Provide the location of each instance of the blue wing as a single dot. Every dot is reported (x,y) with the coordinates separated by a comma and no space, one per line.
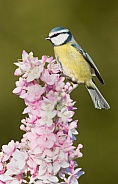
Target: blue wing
(89,60)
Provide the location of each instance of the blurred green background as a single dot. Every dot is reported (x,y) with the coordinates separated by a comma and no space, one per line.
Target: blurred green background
(23,25)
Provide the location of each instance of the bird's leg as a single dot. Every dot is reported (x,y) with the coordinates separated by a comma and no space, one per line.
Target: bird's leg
(74,85)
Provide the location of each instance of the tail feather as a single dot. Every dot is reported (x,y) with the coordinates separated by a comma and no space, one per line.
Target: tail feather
(97,98)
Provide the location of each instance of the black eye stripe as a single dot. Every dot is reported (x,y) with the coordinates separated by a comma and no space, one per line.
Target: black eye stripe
(56,34)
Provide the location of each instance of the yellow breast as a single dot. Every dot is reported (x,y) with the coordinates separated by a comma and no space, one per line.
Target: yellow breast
(73,63)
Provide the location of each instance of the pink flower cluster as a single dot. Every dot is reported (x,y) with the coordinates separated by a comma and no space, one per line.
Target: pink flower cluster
(46,154)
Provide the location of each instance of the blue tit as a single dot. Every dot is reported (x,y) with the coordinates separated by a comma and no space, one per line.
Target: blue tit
(76,64)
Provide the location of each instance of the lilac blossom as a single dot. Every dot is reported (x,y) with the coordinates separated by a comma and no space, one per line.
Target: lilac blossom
(45,154)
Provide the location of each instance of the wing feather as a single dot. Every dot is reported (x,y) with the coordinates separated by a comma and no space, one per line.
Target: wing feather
(90,61)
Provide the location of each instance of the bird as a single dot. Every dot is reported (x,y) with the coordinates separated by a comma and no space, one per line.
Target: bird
(76,65)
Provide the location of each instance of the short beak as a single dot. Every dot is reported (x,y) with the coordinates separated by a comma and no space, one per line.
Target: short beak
(47,38)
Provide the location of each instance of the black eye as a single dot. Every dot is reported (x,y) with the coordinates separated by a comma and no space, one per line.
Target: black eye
(56,34)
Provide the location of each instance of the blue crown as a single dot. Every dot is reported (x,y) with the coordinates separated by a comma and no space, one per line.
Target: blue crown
(57,29)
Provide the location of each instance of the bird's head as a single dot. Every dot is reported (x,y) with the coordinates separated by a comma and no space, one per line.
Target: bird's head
(59,36)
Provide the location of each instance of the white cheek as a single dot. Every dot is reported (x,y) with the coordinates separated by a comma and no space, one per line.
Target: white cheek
(60,39)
